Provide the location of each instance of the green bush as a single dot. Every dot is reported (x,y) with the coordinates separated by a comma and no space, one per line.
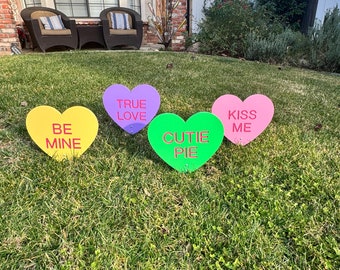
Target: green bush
(228,24)
(290,13)
(324,49)
(235,28)
(225,27)
(273,48)
(286,47)
(319,50)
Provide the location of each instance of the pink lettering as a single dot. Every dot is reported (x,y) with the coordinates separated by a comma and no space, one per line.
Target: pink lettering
(242,127)
(62,143)
(131,103)
(242,114)
(127,115)
(188,136)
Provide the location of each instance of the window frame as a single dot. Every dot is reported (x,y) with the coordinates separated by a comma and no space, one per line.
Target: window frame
(32,3)
(132,4)
(87,6)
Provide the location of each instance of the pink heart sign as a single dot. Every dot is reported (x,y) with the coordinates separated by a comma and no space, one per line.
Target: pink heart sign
(131,110)
(244,120)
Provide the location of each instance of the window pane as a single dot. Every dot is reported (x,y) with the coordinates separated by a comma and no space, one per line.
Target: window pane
(135,5)
(95,10)
(83,8)
(72,8)
(65,9)
(110,3)
(32,3)
(80,11)
(113,3)
(96,6)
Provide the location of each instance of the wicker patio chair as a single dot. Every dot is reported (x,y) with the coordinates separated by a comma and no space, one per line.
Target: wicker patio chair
(115,36)
(46,38)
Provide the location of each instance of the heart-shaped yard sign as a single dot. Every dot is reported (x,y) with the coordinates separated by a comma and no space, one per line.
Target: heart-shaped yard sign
(185,146)
(62,136)
(243,121)
(131,110)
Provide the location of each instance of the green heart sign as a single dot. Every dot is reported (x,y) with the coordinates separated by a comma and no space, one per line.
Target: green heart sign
(186,146)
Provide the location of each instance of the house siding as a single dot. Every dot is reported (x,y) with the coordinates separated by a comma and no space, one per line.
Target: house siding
(323,7)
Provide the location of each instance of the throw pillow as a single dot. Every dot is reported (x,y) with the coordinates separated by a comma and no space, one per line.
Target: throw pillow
(52,23)
(120,20)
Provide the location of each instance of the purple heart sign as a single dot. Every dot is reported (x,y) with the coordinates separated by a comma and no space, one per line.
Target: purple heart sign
(131,110)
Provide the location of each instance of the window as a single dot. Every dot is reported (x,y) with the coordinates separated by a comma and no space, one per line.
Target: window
(84,8)
(91,8)
(135,5)
(32,3)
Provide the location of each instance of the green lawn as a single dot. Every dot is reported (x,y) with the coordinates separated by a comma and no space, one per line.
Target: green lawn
(272,204)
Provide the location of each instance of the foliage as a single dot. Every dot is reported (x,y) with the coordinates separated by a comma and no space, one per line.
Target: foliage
(285,47)
(273,204)
(272,49)
(324,50)
(258,35)
(228,25)
(225,27)
(190,39)
(290,12)
(162,23)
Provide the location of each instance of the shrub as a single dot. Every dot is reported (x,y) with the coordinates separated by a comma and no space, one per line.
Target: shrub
(271,49)
(289,12)
(288,46)
(324,49)
(225,27)
(236,28)
(319,50)
(228,24)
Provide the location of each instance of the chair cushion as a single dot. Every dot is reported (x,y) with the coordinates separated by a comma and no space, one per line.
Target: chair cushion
(42,13)
(120,20)
(52,23)
(123,32)
(62,32)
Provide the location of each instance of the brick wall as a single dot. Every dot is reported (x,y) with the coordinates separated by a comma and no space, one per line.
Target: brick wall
(178,41)
(8,32)
(148,36)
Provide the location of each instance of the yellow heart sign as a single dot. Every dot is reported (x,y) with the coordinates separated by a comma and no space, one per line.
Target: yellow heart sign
(62,136)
